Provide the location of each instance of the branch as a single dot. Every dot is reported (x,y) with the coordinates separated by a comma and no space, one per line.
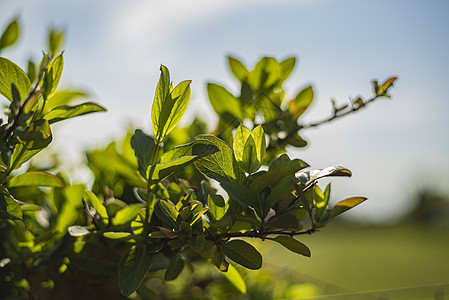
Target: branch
(342,112)
(263,233)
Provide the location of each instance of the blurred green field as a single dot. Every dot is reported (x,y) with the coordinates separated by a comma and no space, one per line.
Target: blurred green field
(398,262)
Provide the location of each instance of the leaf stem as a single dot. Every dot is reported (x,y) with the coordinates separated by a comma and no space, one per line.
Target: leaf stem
(150,204)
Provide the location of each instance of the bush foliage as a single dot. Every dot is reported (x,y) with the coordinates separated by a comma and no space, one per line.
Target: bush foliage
(163,199)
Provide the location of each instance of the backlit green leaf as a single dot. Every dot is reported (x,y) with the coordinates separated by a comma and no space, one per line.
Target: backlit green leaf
(302,101)
(95,202)
(224,103)
(132,269)
(243,253)
(234,277)
(66,112)
(36,178)
(10,35)
(345,205)
(181,156)
(266,74)
(169,106)
(287,67)
(127,214)
(52,76)
(292,244)
(237,68)
(116,235)
(221,165)
(70,207)
(11,73)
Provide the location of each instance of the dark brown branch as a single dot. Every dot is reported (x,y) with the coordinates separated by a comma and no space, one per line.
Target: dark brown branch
(264,233)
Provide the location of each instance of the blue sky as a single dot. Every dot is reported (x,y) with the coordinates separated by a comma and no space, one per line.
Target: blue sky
(114,49)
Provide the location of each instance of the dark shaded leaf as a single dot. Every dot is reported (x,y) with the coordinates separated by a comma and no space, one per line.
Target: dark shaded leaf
(243,253)
(292,245)
(174,268)
(9,208)
(132,269)
(143,146)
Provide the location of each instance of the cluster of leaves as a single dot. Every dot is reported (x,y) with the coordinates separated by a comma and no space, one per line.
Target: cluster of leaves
(160,201)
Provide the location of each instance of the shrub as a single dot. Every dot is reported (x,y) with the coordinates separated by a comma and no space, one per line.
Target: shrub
(162,199)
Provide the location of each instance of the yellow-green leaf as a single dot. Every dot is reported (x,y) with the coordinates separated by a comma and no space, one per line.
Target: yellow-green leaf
(36,178)
(12,73)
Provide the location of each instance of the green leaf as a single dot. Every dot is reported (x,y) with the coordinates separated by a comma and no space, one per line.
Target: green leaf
(167,212)
(234,277)
(168,106)
(224,103)
(302,101)
(273,176)
(237,68)
(309,177)
(64,97)
(179,157)
(10,35)
(36,178)
(287,67)
(70,207)
(321,200)
(217,206)
(143,146)
(243,253)
(383,89)
(116,235)
(31,70)
(345,205)
(77,230)
(132,269)
(9,208)
(249,148)
(10,73)
(221,165)
(174,268)
(95,202)
(55,39)
(266,74)
(36,137)
(243,195)
(66,112)
(127,214)
(52,76)
(292,245)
